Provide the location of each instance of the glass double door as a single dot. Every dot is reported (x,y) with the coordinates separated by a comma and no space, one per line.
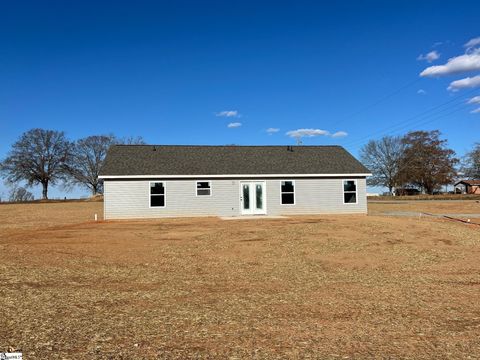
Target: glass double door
(252,198)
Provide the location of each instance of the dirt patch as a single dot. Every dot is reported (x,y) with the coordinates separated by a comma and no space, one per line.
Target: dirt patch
(302,287)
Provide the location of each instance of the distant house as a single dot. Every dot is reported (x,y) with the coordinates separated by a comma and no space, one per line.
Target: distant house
(146,181)
(467,187)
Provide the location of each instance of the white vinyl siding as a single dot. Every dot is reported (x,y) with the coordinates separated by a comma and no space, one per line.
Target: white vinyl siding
(317,196)
(129,199)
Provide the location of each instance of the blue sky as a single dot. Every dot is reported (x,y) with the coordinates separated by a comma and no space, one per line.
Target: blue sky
(180,72)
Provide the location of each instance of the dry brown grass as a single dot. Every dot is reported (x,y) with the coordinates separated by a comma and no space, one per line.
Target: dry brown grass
(302,287)
(434,207)
(43,214)
(440,197)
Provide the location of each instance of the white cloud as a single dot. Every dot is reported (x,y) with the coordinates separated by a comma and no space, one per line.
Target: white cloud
(476,111)
(234,125)
(469,82)
(339,134)
(474,100)
(421,92)
(438,43)
(271,131)
(228,113)
(458,64)
(472,43)
(299,133)
(431,56)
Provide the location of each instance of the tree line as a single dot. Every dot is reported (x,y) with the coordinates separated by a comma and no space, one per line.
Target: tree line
(419,160)
(48,157)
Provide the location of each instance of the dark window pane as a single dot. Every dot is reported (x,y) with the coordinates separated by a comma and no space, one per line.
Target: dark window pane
(349,185)
(203,185)
(157,188)
(287,199)
(203,191)
(259,196)
(157,200)
(246,197)
(350,197)
(287,186)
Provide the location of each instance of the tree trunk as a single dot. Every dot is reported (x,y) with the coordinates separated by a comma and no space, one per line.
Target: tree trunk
(45,190)
(390,189)
(94,190)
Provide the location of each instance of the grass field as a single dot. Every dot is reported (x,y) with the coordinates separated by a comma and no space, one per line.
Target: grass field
(433,207)
(302,287)
(439,197)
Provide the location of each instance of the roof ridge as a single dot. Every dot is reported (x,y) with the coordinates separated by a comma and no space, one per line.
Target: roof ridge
(168,145)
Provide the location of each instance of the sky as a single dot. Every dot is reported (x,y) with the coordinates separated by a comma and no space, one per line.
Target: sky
(240,72)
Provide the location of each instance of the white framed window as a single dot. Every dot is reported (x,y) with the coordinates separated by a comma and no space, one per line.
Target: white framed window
(204,188)
(350,192)
(157,194)
(287,192)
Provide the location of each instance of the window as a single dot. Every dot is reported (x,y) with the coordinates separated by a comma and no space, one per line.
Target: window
(349,191)
(157,194)
(259,196)
(204,188)
(287,190)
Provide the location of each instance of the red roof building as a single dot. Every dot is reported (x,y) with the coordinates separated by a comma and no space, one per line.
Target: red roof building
(467,187)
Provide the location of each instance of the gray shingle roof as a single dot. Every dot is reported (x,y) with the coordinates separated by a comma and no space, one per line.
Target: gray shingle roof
(228,160)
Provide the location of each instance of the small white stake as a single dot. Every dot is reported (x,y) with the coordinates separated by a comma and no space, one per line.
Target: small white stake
(96,218)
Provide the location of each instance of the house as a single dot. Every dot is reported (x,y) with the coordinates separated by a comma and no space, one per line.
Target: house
(151,181)
(467,187)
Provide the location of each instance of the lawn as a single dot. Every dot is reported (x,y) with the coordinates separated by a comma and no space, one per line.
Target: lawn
(432,206)
(300,287)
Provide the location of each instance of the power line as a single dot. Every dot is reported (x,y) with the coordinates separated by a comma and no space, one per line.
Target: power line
(456,108)
(379,101)
(435,118)
(424,114)
(401,126)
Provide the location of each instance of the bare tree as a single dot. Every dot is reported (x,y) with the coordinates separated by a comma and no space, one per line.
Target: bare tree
(86,161)
(130,140)
(37,157)
(382,157)
(19,194)
(88,157)
(471,163)
(427,162)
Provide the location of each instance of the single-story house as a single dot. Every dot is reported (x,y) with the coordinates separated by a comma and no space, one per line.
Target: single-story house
(467,187)
(151,181)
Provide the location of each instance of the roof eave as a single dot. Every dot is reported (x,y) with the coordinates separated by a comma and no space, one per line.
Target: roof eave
(232,176)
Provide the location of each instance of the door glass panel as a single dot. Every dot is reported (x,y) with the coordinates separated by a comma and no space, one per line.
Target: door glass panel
(259,196)
(246,196)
